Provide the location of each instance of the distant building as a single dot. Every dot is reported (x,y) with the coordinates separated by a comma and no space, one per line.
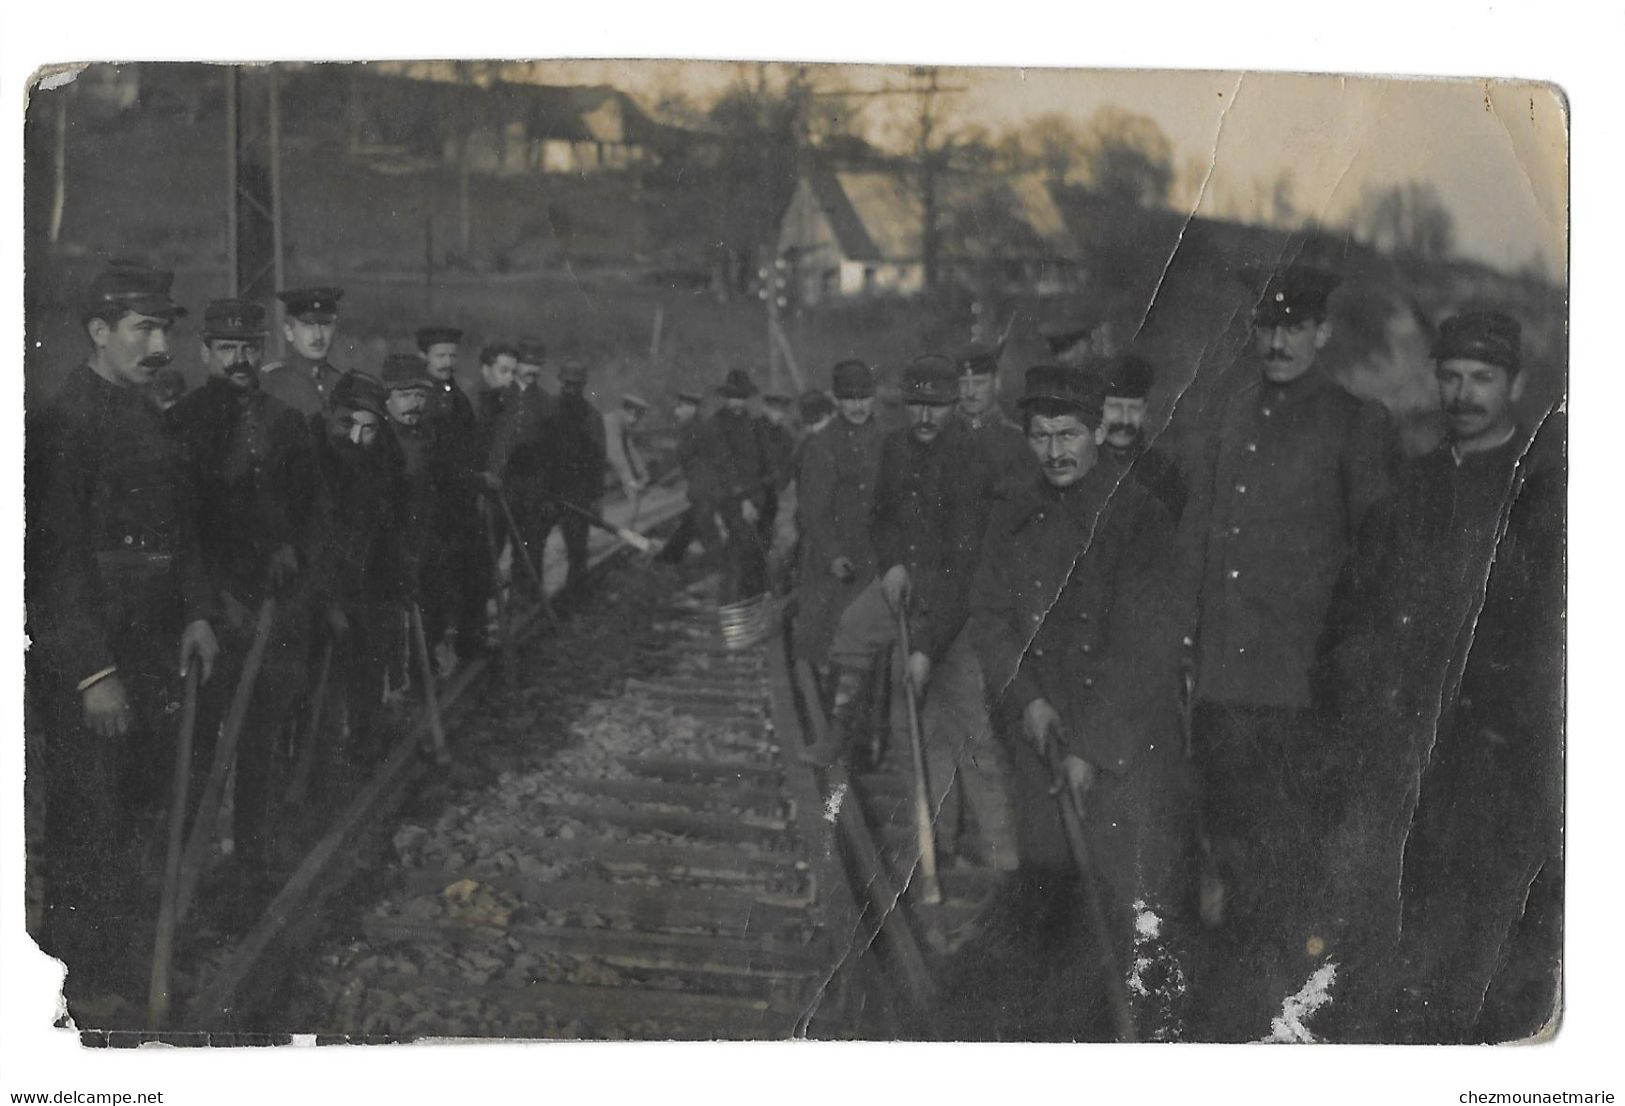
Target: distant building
(857,232)
(509,128)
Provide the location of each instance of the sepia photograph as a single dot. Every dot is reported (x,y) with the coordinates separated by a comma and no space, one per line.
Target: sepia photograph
(766,550)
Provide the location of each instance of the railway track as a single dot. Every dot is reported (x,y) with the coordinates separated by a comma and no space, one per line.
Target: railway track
(667,868)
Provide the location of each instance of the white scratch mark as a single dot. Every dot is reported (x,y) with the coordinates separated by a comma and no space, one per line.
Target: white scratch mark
(60,77)
(832,805)
(1315,993)
(1146,922)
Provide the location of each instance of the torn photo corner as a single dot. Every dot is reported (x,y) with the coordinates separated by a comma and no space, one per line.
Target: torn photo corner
(1101,552)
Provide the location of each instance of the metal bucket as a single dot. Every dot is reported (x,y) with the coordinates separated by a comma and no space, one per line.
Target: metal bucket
(746,623)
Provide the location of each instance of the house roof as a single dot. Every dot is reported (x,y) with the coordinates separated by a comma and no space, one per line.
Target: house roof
(876,214)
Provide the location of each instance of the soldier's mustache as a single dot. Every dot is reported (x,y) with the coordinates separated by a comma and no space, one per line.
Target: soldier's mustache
(155,360)
(1121,428)
(1277,355)
(1464,409)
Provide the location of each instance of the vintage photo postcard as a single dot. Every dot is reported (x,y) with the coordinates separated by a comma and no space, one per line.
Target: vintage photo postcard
(747,550)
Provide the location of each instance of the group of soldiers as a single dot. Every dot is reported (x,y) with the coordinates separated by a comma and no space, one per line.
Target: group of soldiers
(294,517)
(1278,718)
(1300,696)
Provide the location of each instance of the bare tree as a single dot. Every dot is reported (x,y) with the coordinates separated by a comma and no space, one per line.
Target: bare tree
(1408,220)
(1128,157)
(1055,143)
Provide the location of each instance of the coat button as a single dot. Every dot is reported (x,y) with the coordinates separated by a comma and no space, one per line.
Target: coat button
(1241,489)
(1085,648)
(1266,412)
(1084,617)
(1234,573)
(1037,652)
(1088,681)
(1252,447)
(1235,531)
(129,539)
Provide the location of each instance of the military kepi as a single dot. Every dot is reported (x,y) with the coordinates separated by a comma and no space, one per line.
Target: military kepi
(312,305)
(242,320)
(978,360)
(1064,388)
(932,380)
(737,385)
(431,336)
(135,287)
(405,371)
(852,380)
(1291,295)
(1493,337)
(1127,376)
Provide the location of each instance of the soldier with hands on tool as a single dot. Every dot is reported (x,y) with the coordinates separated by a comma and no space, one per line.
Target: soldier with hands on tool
(359,569)
(253,464)
(1291,466)
(837,471)
(931,501)
(305,381)
(625,458)
(699,480)
(737,456)
(575,455)
(118,607)
(1070,620)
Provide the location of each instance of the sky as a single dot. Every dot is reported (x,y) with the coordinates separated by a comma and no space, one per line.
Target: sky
(1495,150)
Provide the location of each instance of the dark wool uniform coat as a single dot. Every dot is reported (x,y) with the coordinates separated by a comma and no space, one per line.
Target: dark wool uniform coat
(739,456)
(300,383)
(1002,442)
(254,466)
(1072,604)
(1284,484)
(930,510)
(1155,469)
(835,488)
(115,570)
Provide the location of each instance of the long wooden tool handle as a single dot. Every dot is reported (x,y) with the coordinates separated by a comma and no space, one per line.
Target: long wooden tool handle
(504,609)
(1116,979)
(164,942)
(209,803)
(431,699)
(930,886)
(522,551)
(313,728)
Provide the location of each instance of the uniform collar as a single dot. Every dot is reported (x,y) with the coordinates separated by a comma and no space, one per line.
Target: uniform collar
(1489,456)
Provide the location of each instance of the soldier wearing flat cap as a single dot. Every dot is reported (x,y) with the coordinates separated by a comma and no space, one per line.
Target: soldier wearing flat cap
(253,463)
(835,489)
(1126,381)
(360,568)
(118,605)
(930,504)
(982,418)
(1080,654)
(1291,467)
(1409,607)
(699,479)
(305,380)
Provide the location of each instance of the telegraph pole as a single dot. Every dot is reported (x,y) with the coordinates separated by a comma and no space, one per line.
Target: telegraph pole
(254,246)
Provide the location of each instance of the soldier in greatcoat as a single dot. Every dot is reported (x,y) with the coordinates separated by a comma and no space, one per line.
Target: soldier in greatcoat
(836,475)
(1126,381)
(253,464)
(1411,614)
(360,566)
(305,380)
(456,581)
(1291,466)
(931,500)
(118,606)
(1071,620)
(737,457)
(699,480)
(983,418)
(574,457)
